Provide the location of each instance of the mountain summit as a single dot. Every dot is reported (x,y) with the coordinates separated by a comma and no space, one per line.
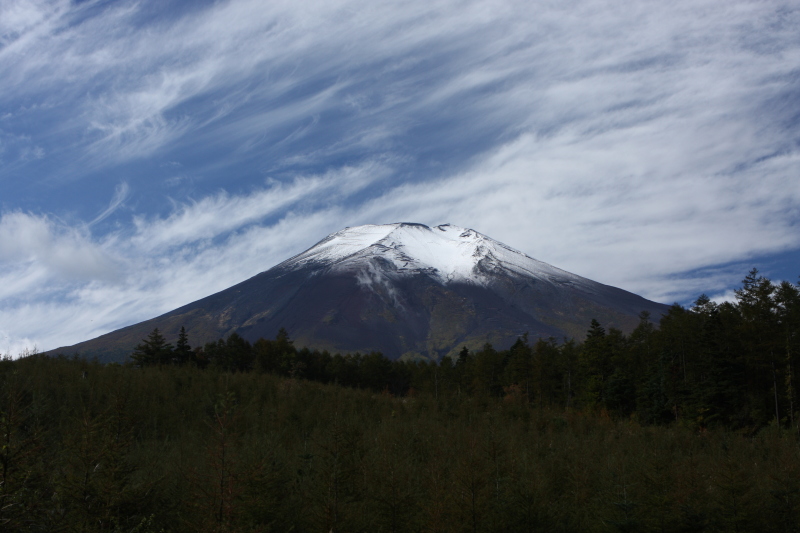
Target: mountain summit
(404,289)
(445,253)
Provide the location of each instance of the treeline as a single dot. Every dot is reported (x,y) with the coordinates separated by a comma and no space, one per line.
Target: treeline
(733,364)
(112,448)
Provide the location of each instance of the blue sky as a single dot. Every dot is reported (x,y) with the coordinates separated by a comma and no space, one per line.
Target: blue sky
(155,152)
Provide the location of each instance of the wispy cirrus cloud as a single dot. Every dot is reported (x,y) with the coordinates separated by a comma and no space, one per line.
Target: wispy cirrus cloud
(121,192)
(221,213)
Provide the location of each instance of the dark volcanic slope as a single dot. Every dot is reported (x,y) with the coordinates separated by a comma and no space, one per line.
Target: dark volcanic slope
(381,296)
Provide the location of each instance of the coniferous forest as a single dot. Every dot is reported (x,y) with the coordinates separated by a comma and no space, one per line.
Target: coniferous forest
(687,424)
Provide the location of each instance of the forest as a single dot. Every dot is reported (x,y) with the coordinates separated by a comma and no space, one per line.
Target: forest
(684,425)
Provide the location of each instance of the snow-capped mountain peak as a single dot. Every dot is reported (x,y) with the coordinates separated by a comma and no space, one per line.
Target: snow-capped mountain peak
(446,252)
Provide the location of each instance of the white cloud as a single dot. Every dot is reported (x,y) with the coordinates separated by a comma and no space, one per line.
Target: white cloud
(31,242)
(18,17)
(121,193)
(221,213)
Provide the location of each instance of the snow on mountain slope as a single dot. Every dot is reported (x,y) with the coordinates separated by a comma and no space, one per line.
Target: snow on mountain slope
(446,252)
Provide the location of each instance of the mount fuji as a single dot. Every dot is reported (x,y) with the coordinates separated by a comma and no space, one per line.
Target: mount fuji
(406,290)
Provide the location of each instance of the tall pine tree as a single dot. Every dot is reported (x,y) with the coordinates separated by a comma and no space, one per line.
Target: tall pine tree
(154,350)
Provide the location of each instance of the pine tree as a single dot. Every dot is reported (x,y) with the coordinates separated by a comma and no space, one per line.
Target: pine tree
(787,299)
(519,368)
(594,361)
(286,351)
(239,353)
(183,352)
(460,374)
(760,338)
(488,371)
(154,350)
